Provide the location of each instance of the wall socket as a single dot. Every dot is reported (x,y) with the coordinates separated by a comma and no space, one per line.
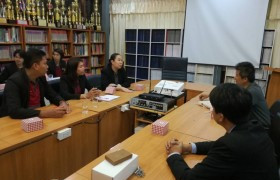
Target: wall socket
(63,134)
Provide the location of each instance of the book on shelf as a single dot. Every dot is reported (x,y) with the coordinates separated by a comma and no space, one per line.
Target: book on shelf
(130,59)
(143,61)
(157,49)
(96,71)
(143,48)
(38,36)
(144,35)
(130,48)
(59,35)
(64,47)
(97,37)
(9,35)
(8,51)
(158,35)
(97,49)
(81,50)
(173,50)
(130,35)
(41,47)
(80,37)
(94,61)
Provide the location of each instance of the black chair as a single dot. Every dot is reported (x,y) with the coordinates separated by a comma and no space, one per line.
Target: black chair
(274,109)
(95,80)
(275,134)
(174,69)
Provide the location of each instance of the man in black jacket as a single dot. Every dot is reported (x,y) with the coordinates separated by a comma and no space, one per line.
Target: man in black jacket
(25,90)
(245,152)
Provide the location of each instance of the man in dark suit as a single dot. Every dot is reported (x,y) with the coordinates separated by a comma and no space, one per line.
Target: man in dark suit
(245,152)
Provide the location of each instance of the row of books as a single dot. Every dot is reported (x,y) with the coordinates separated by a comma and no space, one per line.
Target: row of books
(59,35)
(97,49)
(96,71)
(130,47)
(143,61)
(173,36)
(173,50)
(64,47)
(130,71)
(94,61)
(142,73)
(85,61)
(80,37)
(158,35)
(143,48)
(205,69)
(156,62)
(157,49)
(130,35)
(144,35)
(6,52)
(130,59)
(97,37)
(41,47)
(38,36)
(81,50)
(10,35)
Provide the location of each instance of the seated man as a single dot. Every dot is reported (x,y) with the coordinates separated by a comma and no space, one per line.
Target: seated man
(245,152)
(245,77)
(25,90)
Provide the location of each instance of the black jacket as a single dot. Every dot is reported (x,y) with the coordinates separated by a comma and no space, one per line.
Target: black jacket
(107,77)
(16,96)
(52,66)
(247,153)
(9,70)
(67,88)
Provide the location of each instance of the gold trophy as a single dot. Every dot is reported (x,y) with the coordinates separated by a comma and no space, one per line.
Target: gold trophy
(57,14)
(79,26)
(74,14)
(69,14)
(10,12)
(17,10)
(33,13)
(41,18)
(95,17)
(63,17)
(50,17)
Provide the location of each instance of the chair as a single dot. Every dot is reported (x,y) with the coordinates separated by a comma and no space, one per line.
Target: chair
(274,109)
(94,80)
(174,69)
(275,134)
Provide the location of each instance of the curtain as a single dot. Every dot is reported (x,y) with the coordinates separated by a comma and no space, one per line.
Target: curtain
(141,14)
(273,22)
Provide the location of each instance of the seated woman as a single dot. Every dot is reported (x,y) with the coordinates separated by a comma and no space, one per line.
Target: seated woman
(57,65)
(114,74)
(13,67)
(74,82)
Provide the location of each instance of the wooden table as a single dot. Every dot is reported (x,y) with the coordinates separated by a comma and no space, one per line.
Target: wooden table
(189,123)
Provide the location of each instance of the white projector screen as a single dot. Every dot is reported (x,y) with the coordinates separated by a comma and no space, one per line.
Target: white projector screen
(224,32)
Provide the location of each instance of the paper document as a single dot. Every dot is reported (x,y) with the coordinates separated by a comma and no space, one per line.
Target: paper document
(206,104)
(107,98)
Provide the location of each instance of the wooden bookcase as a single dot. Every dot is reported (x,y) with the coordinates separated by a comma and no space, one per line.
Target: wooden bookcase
(86,44)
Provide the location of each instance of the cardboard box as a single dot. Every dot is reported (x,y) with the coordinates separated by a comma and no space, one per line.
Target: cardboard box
(160,127)
(107,171)
(32,124)
(118,157)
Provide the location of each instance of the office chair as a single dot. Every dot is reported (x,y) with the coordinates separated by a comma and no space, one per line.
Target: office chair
(174,69)
(274,109)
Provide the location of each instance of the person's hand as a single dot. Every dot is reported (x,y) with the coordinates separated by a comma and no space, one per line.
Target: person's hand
(57,112)
(95,92)
(203,96)
(112,85)
(126,90)
(65,105)
(174,146)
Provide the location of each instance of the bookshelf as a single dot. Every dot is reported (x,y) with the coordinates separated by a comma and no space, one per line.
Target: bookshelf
(145,49)
(97,57)
(86,44)
(261,74)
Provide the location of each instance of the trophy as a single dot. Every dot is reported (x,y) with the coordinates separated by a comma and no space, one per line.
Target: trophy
(63,17)
(41,18)
(57,14)
(10,12)
(79,25)
(33,13)
(50,17)
(69,14)
(95,17)
(3,18)
(21,18)
(74,14)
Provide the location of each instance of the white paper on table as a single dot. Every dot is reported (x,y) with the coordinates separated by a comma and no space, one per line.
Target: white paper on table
(107,98)
(206,104)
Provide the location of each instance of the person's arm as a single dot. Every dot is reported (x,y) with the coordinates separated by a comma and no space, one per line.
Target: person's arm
(218,163)
(105,79)
(125,80)
(13,101)
(65,88)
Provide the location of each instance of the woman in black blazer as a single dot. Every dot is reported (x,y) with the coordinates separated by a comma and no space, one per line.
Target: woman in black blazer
(74,82)
(114,74)
(57,66)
